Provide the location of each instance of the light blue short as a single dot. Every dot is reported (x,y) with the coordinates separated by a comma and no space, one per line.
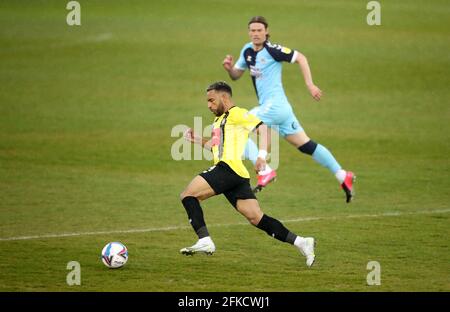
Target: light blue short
(278,117)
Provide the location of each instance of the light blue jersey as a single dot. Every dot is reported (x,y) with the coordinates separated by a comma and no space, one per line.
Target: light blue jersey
(265,70)
(274,109)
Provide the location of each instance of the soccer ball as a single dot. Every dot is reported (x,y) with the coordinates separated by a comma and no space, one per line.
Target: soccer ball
(114,255)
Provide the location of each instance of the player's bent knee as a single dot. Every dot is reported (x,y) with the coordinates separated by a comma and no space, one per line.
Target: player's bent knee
(185,194)
(192,193)
(250,209)
(254,220)
(253,217)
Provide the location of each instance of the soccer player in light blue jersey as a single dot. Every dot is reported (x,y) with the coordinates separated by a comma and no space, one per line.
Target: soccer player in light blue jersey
(263,59)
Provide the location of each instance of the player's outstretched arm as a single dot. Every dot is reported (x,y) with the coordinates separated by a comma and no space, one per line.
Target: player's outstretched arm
(233,72)
(196,139)
(314,90)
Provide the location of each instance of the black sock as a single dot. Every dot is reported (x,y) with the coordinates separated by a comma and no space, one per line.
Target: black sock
(308,148)
(195,215)
(276,229)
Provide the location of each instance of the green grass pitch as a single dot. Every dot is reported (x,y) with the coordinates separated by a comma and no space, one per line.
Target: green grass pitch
(86,114)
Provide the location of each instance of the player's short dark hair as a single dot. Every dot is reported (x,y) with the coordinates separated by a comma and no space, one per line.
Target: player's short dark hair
(220,86)
(258,19)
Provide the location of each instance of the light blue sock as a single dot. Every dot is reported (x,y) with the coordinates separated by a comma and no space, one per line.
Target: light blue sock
(251,151)
(324,157)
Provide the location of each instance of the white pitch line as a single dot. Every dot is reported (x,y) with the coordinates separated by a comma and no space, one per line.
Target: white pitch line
(174,228)
(384,214)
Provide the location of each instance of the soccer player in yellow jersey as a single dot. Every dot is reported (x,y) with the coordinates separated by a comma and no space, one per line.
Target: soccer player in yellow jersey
(229,176)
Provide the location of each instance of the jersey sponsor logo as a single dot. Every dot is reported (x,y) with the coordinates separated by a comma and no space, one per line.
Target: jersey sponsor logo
(249,58)
(255,72)
(286,50)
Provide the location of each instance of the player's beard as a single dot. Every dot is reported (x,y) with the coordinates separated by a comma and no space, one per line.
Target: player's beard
(220,109)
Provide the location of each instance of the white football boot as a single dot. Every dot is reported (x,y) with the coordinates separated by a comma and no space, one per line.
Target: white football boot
(307,249)
(204,245)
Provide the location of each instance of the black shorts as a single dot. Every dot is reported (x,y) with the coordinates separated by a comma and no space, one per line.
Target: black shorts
(223,180)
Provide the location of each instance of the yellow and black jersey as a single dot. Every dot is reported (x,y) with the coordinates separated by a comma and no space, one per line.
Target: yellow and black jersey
(229,137)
